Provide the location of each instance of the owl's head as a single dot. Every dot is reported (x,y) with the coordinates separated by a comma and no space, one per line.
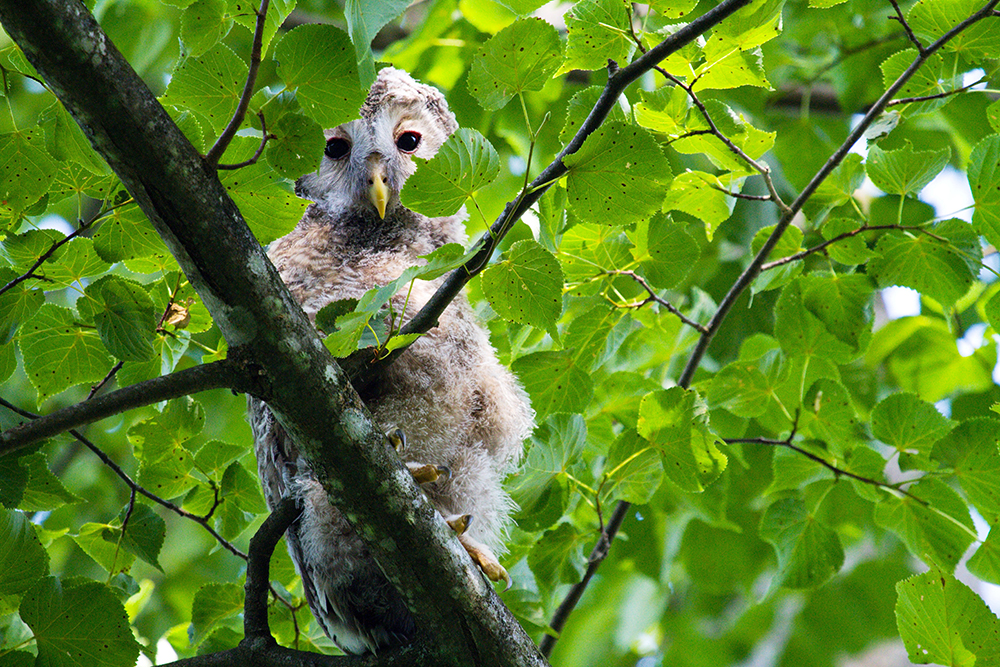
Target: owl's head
(367,161)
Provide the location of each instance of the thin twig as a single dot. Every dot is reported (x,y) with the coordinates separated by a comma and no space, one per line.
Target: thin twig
(107,378)
(30,273)
(740,195)
(260,149)
(926,98)
(215,153)
(906,26)
(846,235)
(654,297)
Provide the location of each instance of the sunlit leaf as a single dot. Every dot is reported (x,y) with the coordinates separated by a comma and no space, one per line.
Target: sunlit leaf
(465,163)
(521,57)
(809,553)
(525,287)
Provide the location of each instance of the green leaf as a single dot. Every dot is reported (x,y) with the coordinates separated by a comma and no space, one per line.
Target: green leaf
(933,522)
(270,210)
(670,419)
(984,180)
(909,424)
(801,332)
(317,61)
(143,534)
(928,265)
(364,19)
(296,145)
(809,553)
(580,106)
(65,141)
(731,69)
(750,26)
(673,9)
(558,556)
(203,24)
(985,563)
(554,382)
(215,456)
(44,491)
(123,313)
(243,489)
(792,471)
(741,389)
(521,57)
(597,32)
(942,621)
(693,193)
(634,469)
(58,353)
(931,19)
(465,163)
(665,250)
(931,79)
(589,335)
(244,12)
(905,171)
(155,438)
(842,303)
(101,541)
(838,188)
(541,491)
(618,176)
(26,169)
(74,261)
(736,128)
(126,233)
(80,625)
(210,84)
(850,250)
(789,244)
(526,287)
(212,604)
(23,560)
(16,305)
(970,450)
(828,414)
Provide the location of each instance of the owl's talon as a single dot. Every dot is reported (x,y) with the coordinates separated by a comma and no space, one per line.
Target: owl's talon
(486,560)
(459,522)
(398,439)
(425,473)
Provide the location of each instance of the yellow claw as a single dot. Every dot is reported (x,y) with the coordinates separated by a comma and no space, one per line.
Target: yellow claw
(378,192)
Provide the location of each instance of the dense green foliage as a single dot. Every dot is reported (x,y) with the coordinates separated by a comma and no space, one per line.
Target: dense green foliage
(808,491)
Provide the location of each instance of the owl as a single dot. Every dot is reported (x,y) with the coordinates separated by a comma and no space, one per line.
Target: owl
(462,414)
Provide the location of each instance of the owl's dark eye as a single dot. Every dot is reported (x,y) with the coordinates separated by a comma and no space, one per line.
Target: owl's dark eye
(337,147)
(408,141)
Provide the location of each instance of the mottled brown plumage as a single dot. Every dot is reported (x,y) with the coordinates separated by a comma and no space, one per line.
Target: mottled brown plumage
(457,406)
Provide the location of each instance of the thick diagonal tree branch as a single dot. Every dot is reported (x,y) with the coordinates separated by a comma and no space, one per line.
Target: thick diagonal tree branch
(309,394)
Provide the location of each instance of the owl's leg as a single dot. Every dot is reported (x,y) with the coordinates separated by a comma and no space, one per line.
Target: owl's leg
(423,473)
(480,553)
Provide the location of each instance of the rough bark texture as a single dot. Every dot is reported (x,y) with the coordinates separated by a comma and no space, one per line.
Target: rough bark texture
(304,386)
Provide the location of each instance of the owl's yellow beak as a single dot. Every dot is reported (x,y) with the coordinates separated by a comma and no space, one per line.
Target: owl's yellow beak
(378,192)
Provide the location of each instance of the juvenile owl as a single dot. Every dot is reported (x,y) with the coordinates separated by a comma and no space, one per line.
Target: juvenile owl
(463,415)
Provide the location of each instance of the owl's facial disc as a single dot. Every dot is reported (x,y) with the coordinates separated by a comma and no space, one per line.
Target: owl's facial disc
(378,184)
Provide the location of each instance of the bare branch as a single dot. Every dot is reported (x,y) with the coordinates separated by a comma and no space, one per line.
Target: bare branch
(906,26)
(30,273)
(260,149)
(222,143)
(262,545)
(655,298)
(938,96)
(215,375)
